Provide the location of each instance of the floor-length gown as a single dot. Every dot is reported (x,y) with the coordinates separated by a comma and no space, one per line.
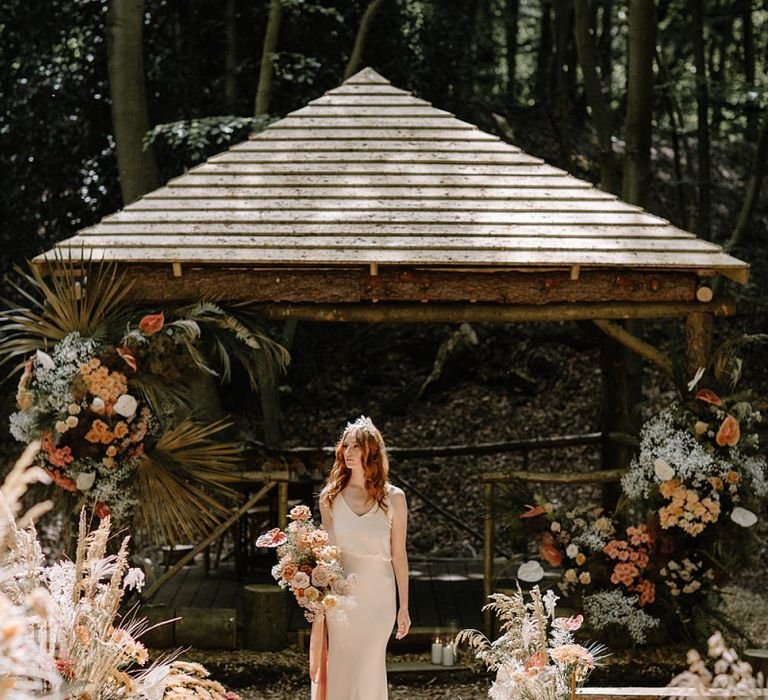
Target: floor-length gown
(357,649)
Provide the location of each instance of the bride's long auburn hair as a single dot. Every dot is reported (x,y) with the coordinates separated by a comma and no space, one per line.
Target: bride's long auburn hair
(375,467)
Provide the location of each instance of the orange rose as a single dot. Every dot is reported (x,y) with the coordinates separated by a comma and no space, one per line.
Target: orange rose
(149,325)
(729,432)
(709,396)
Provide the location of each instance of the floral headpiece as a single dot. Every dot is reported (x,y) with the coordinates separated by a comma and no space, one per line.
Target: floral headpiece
(362,423)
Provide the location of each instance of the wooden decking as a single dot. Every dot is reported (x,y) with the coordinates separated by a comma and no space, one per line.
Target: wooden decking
(444,593)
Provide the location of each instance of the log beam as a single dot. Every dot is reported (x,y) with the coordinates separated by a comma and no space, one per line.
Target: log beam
(635,344)
(486,313)
(154,283)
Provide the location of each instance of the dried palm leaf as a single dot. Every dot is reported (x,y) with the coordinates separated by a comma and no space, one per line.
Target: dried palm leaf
(78,295)
(183,479)
(234,332)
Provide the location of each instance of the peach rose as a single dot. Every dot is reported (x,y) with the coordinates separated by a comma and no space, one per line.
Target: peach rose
(289,570)
(300,580)
(320,576)
(330,602)
(300,513)
(311,593)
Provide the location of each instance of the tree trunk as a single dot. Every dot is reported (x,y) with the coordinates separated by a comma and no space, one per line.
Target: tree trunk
(511,22)
(615,416)
(679,140)
(724,34)
(637,165)
(753,188)
(271,34)
(749,68)
(230,56)
(605,43)
(353,65)
(595,97)
(704,218)
(544,58)
(135,164)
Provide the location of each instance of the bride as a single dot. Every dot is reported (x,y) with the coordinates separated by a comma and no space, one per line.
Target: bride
(366,517)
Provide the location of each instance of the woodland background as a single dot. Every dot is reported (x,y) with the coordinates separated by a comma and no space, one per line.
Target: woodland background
(660,101)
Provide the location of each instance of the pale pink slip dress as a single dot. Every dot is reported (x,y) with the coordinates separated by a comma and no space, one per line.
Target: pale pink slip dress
(357,649)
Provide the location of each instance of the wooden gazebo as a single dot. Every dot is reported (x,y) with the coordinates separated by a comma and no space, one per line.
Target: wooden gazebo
(370,204)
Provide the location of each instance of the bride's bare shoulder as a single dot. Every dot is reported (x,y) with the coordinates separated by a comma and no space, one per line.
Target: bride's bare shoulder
(396,494)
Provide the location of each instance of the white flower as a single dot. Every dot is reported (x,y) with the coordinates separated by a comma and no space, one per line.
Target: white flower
(85,480)
(97,405)
(134,579)
(742,516)
(555,527)
(300,580)
(126,405)
(45,360)
(662,470)
(530,572)
(572,551)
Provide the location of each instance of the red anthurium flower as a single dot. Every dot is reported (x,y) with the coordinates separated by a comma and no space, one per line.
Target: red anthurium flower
(274,538)
(127,355)
(568,623)
(729,432)
(149,325)
(551,554)
(533,511)
(536,663)
(102,510)
(709,396)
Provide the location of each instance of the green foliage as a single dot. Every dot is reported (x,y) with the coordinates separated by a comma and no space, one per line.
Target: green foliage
(183,144)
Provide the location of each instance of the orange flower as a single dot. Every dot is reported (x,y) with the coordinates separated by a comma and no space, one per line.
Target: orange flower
(551,554)
(101,510)
(536,663)
(149,325)
(709,397)
(533,511)
(128,357)
(729,432)
(121,430)
(63,481)
(647,592)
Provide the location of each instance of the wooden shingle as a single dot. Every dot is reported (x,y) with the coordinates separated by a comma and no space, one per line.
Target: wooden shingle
(368,173)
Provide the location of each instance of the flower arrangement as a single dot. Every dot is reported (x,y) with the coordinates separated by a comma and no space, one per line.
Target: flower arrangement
(730,676)
(694,488)
(106,390)
(58,631)
(536,657)
(309,567)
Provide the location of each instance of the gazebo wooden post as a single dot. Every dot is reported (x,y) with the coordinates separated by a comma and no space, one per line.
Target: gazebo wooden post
(615,414)
(699,331)
(488,544)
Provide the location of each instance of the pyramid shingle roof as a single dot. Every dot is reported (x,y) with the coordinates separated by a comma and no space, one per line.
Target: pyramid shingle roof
(368,173)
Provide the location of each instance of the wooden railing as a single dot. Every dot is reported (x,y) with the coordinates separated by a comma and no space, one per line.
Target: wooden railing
(492,479)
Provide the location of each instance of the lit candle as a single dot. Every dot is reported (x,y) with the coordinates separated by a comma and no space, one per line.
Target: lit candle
(437,651)
(449,655)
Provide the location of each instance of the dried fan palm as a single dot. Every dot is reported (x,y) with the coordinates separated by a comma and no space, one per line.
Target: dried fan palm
(78,295)
(182,478)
